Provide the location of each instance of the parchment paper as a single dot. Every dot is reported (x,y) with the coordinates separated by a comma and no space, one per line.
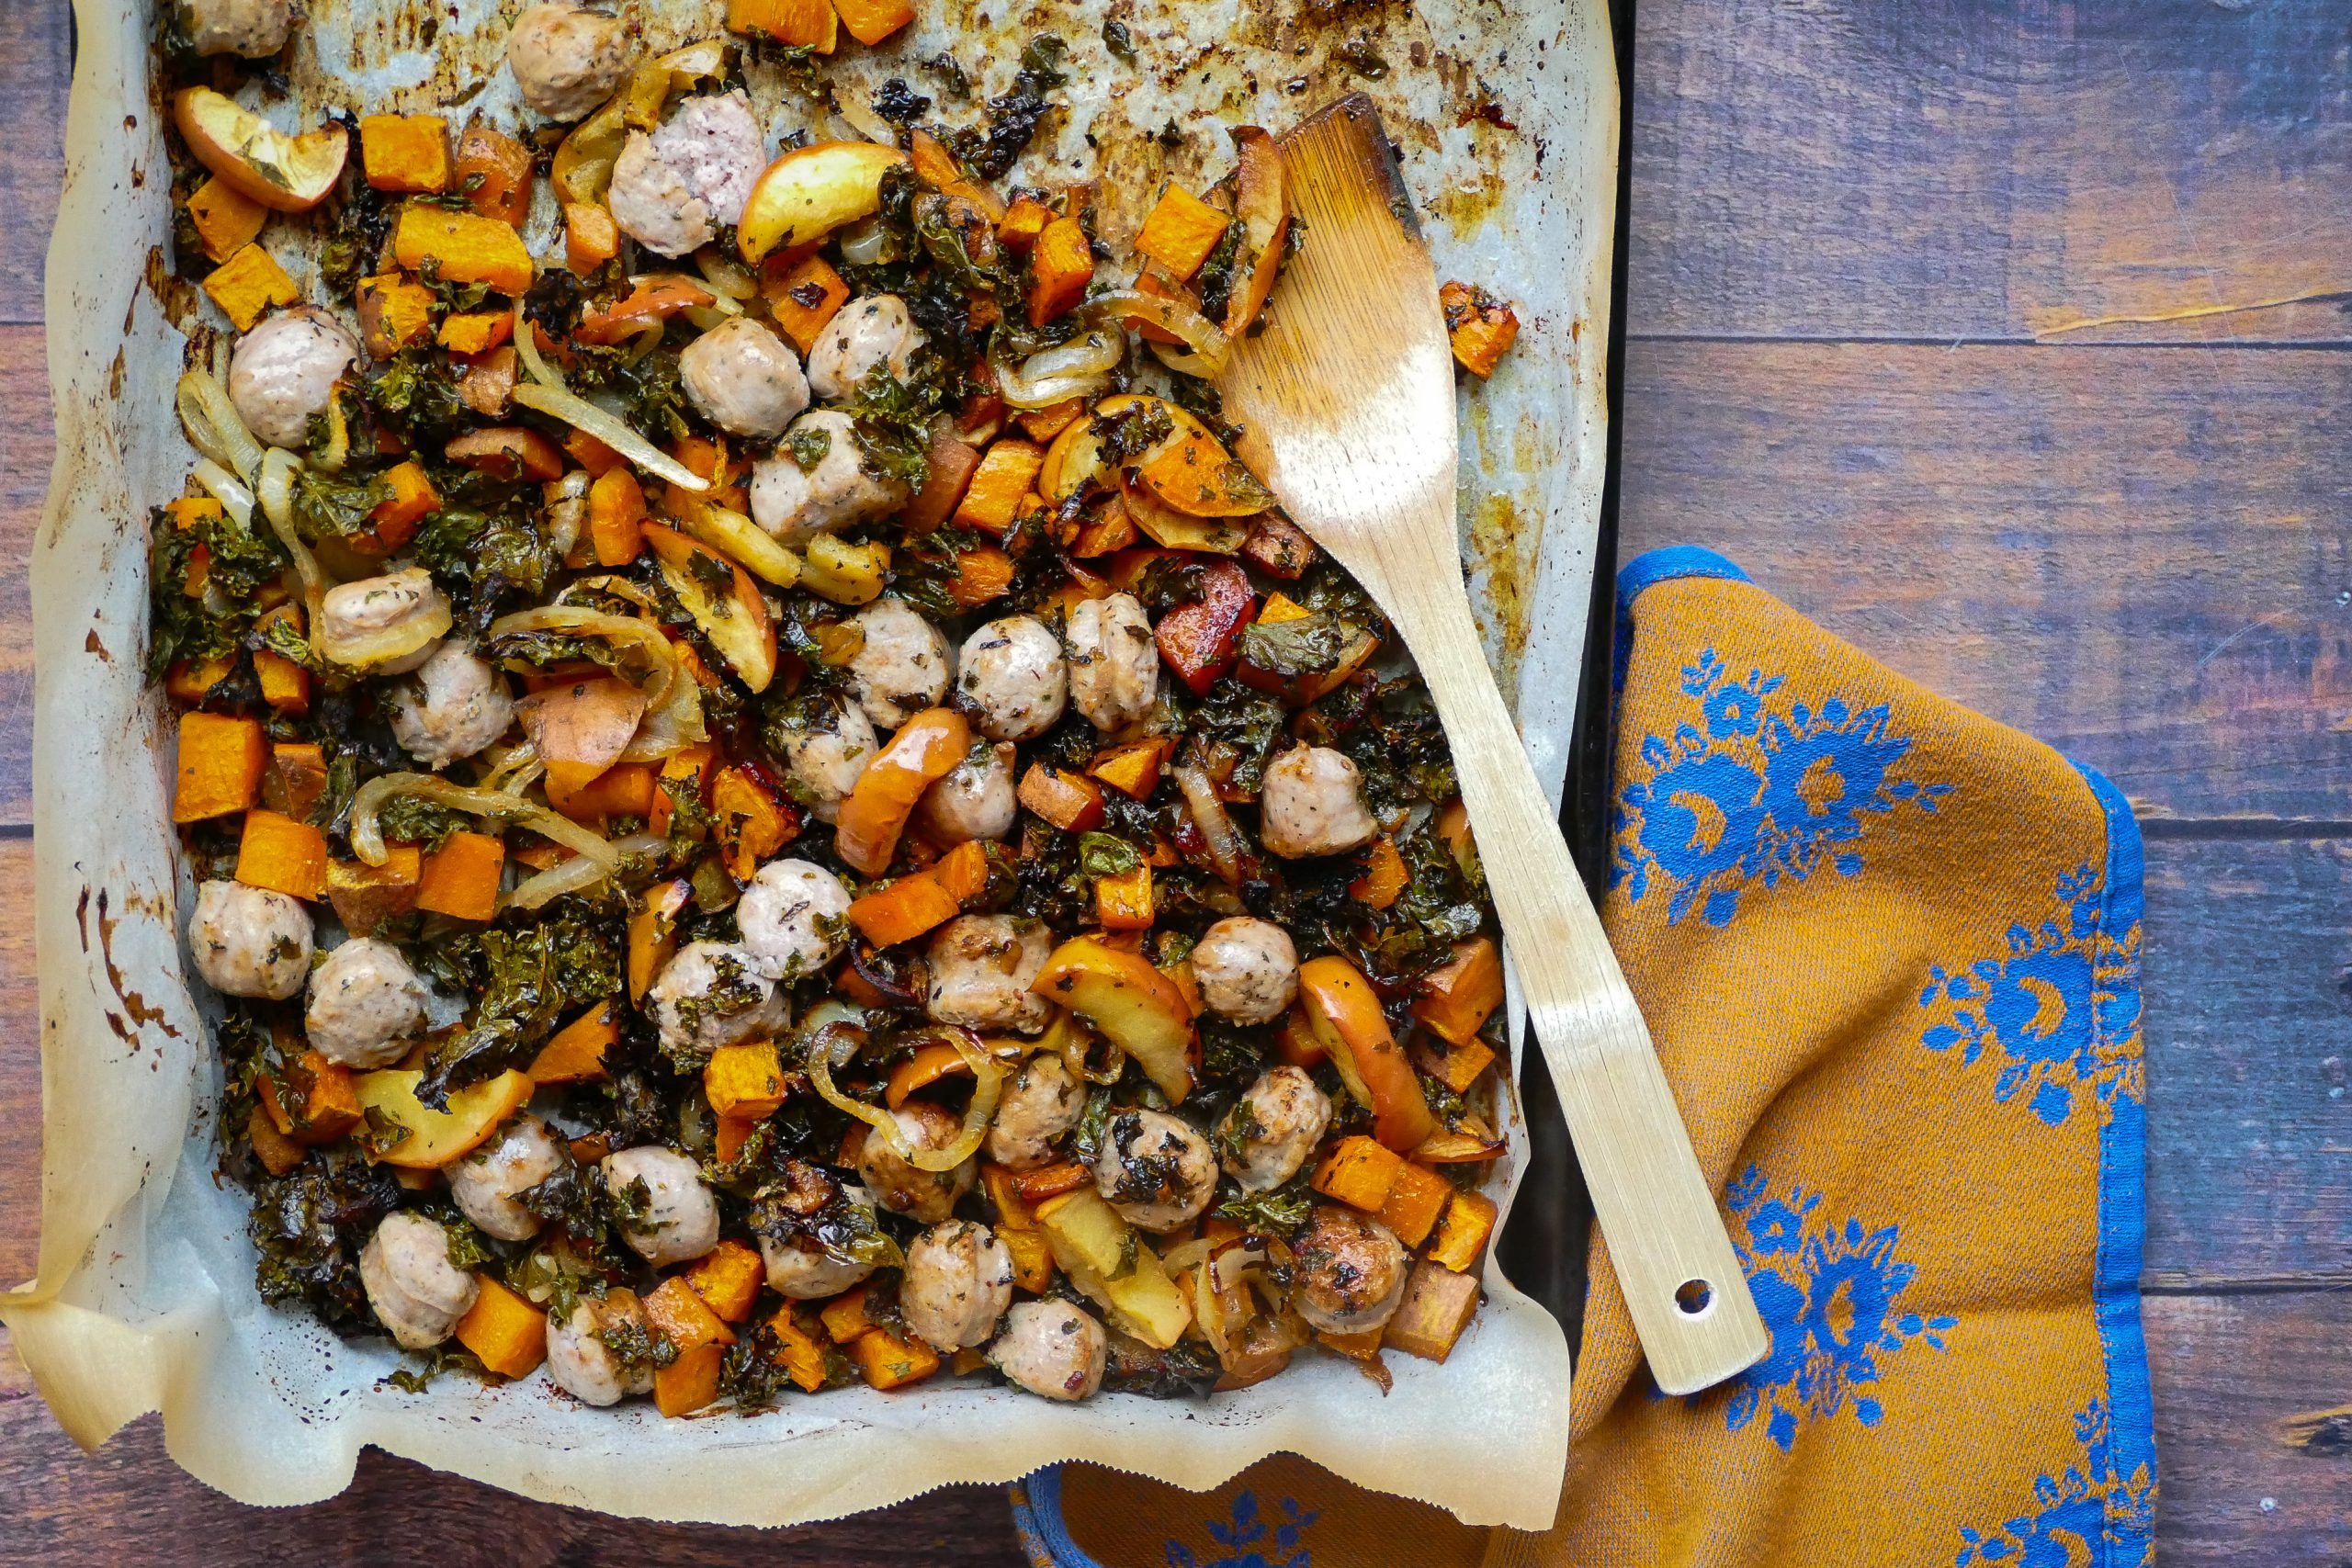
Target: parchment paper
(144,1300)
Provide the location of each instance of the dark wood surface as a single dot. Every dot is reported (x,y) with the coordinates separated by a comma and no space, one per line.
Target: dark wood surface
(1862,239)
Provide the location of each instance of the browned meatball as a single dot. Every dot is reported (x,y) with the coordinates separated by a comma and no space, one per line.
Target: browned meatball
(1351,1272)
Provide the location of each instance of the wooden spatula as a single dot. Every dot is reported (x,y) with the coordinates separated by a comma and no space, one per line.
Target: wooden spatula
(1347,402)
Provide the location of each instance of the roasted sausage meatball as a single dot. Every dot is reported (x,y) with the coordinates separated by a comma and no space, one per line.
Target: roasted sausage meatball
(1010,679)
(958,1282)
(1310,805)
(416,1292)
(695,171)
(1350,1271)
(1113,663)
(793,918)
(680,1216)
(981,969)
(455,706)
(255,29)
(365,1001)
(284,370)
(583,1365)
(1042,1101)
(864,333)
(902,667)
(816,481)
(567,61)
(1155,1171)
(826,756)
(373,605)
(249,941)
(1247,968)
(975,799)
(926,1195)
(1052,1349)
(712,994)
(808,1203)
(743,378)
(1271,1129)
(485,1182)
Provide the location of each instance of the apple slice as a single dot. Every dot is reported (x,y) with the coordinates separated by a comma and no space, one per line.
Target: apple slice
(811,191)
(288,174)
(1344,1013)
(435,1138)
(1136,1008)
(720,597)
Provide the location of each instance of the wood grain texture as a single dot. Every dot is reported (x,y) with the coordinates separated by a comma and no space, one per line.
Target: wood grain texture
(26,445)
(36,68)
(2135,554)
(1946,169)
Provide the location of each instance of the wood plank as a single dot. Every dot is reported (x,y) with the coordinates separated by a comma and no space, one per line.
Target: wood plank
(2227,1370)
(36,70)
(1950,169)
(2248,1114)
(2135,554)
(26,445)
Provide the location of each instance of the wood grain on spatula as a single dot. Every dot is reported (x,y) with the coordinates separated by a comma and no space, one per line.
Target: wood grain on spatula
(1347,400)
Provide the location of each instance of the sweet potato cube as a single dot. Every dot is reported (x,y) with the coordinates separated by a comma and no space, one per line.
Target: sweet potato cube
(685,774)
(508,452)
(1051,1180)
(690,1383)
(591,238)
(903,910)
(653,932)
(1133,769)
(1032,1258)
(1279,547)
(1043,425)
(964,872)
(1383,876)
(1061,264)
(460,878)
(1007,471)
(1071,802)
(226,219)
(191,679)
(1437,1307)
(887,1361)
(845,1317)
(576,1053)
(728,1278)
(394,520)
(393,313)
(475,332)
(507,1332)
(1182,232)
(316,1103)
(982,573)
(749,822)
(1358,1172)
(365,896)
(871,21)
(949,464)
(1108,527)
(733,1133)
(464,247)
(1123,902)
(1361,1345)
(803,297)
(284,685)
(797,24)
(1457,1067)
(405,151)
(220,765)
(248,284)
(496,173)
(278,1153)
(625,789)
(1480,326)
(745,1080)
(295,780)
(1013,1211)
(1023,220)
(802,1354)
(1417,1197)
(1462,1235)
(1458,995)
(678,1313)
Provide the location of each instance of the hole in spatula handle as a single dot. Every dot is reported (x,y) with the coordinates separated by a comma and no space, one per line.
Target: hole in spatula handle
(1695,1297)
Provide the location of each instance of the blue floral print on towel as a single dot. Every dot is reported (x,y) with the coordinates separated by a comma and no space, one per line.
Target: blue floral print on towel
(1746,795)
(2088,1515)
(2059,1010)
(1247,1533)
(1828,1293)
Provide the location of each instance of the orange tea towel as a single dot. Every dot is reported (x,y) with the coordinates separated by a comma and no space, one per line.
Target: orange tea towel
(1890,954)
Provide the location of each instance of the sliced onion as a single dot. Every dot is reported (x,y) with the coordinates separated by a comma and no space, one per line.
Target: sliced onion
(575,620)
(1078,368)
(213,424)
(576,874)
(670,728)
(411,633)
(276,487)
(618,587)
(234,496)
(1201,336)
(988,1080)
(527,347)
(1218,831)
(568,513)
(582,414)
(367,835)
(866,242)
(859,115)
(728,278)
(1187,1254)
(331,461)
(513,769)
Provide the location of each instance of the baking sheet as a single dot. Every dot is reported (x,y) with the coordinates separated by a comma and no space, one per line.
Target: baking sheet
(144,1298)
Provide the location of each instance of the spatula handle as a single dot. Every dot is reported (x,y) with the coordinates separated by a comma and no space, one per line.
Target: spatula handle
(1688,1299)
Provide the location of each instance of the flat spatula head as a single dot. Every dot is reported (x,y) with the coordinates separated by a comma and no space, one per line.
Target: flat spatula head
(1347,395)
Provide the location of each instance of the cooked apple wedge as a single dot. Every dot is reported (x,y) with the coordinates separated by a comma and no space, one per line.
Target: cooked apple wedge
(721,598)
(1136,1008)
(811,191)
(289,174)
(436,1138)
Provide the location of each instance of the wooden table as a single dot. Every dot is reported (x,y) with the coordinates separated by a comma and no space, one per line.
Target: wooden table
(2004,339)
